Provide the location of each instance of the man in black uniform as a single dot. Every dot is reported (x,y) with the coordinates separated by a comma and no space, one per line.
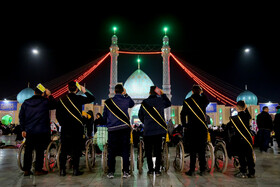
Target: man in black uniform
(195,108)
(117,119)
(243,140)
(69,116)
(151,114)
(265,126)
(35,124)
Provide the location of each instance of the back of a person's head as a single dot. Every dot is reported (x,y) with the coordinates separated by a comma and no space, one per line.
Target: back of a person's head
(196,89)
(241,104)
(72,86)
(152,90)
(37,91)
(264,108)
(119,89)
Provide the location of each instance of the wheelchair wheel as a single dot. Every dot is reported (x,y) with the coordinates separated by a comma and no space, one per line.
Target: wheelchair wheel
(178,162)
(131,158)
(210,157)
(140,157)
(20,156)
(57,157)
(104,159)
(51,156)
(90,155)
(164,157)
(236,163)
(221,157)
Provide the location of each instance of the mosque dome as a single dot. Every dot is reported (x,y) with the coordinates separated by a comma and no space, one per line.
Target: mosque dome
(188,95)
(249,97)
(138,85)
(25,94)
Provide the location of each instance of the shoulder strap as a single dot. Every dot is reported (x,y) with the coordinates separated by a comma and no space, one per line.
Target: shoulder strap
(234,124)
(70,111)
(117,112)
(74,105)
(203,122)
(155,115)
(199,108)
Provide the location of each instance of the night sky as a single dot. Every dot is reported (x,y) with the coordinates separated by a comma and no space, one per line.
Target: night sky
(211,37)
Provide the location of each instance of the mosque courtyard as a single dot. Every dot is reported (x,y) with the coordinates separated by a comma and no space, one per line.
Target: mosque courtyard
(267,173)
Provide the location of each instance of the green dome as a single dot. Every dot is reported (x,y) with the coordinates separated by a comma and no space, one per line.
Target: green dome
(249,97)
(138,85)
(25,94)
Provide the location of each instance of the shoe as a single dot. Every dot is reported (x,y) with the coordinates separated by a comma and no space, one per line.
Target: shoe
(63,172)
(251,175)
(77,172)
(150,172)
(126,175)
(110,175)
(158,173)
(27,173)
(190,173)
(202,173)
(240,175)
(42,172)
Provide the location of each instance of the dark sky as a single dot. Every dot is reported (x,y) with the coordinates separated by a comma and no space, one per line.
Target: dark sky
(210,36)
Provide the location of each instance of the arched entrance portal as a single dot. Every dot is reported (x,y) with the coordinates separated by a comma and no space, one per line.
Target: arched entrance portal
(134,114)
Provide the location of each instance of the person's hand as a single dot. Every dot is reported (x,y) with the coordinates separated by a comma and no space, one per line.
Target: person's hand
(48,92)
(23,134)
(83,89)
(124,91)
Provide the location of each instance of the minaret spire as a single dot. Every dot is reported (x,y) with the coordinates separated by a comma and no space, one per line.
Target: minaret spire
(138,61)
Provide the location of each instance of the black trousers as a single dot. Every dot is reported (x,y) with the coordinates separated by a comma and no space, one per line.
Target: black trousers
(264,139)
(246,159)
(118,145)
(153,144)
(72,146)
(199,148)
(39,143)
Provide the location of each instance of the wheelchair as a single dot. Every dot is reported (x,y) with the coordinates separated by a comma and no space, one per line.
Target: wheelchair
(20,156)
(164,155)
(181,159)
(220,149)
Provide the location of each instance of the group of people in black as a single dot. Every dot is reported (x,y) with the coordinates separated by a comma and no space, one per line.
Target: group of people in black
(34,121)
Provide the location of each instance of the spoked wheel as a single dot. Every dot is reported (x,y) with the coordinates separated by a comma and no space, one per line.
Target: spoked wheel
(57,157)
(164,157)
(105,158)
(236,163)
(51,156)
(221,157)
(178,162)
(131,158)
(210,157)
(20,156)
(140,157)
(90,155)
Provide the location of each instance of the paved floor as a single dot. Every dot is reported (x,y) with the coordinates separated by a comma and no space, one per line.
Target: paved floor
(267,174)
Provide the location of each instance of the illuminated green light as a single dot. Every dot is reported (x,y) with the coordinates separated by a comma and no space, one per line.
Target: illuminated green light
(165,29)
(256,110)
(115,29)
(220,110)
